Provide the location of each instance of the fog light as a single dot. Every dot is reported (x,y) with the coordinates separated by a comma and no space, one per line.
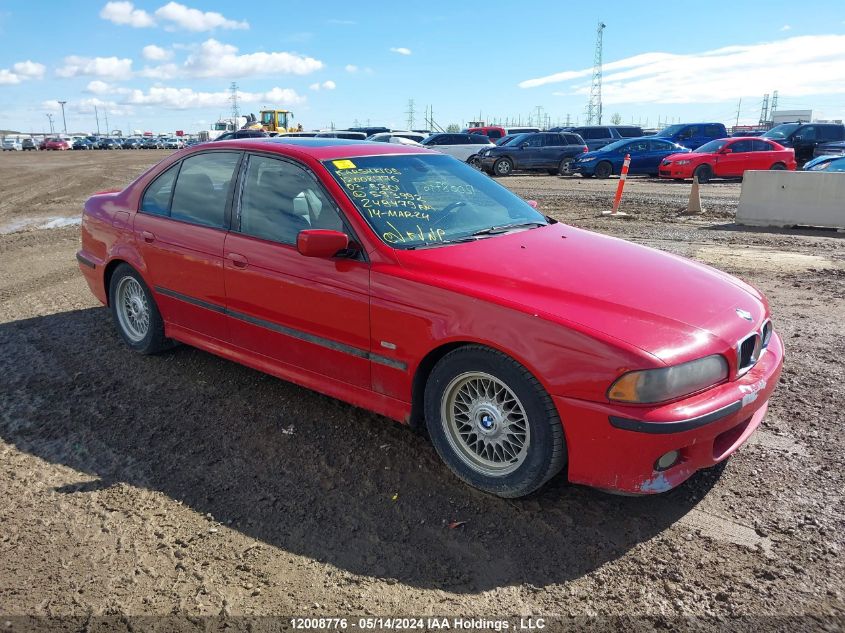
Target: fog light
(665,462)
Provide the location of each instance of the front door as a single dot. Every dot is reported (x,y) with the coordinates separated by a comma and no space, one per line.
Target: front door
(306,312)
(180,230)
(736,162)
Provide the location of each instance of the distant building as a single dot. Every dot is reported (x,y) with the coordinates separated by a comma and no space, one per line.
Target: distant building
(791,116)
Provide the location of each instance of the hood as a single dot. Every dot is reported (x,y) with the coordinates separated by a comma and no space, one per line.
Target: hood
(667,306)
(688,155)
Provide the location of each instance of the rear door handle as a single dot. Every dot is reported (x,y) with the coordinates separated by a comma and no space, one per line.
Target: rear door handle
(148,237)
(238,260)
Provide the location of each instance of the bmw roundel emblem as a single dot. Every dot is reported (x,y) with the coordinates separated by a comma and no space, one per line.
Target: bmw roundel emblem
(743,314)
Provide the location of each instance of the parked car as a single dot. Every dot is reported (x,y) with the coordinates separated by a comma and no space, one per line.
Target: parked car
(601,135)
(552,152)
(521,130)
(369,130)
(56,144)
(109,143)
(152,143)
(172,143)
(228,136)
(826,163)
(461,146)
(12,145)
(493,132)
(693,135)
(345,134)
(646,154)
(132,143)
(82,143)
(387,137)
(837,148)
(747,133)
(728,158)
(29,144)
(805,137)
(450,312)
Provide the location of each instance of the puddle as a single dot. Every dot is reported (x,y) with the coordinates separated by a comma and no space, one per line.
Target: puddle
(52,222)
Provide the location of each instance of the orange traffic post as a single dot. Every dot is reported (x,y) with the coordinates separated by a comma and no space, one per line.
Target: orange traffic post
(618,198)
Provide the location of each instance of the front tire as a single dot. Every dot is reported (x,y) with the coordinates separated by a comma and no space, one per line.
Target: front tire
(135,312)
(492,422)
(503,167)
(704,173)
(604,170)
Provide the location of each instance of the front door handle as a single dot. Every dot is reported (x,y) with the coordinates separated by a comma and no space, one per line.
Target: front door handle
(238,260)
(149,238)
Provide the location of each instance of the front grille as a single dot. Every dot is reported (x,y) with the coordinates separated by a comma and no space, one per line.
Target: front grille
(748,352)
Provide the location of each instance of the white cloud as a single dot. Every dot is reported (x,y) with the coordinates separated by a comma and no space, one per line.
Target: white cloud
(187,98)
(180,16)
(796,66)
(351,68)
(326,85)
(215,59)
(102,67)
(21,71)
(126,13)
(98,87)
(401,50)
(156,53)
(786,27)
(162,71)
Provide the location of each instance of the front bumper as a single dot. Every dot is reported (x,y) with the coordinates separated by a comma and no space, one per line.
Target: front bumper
(615,446)
(585,169)
(675,171)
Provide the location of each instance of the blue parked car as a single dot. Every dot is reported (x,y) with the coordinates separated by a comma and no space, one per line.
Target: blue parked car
(646,153)
(826,163)
(693,135)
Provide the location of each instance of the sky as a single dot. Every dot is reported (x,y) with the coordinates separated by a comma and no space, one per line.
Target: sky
(166,65)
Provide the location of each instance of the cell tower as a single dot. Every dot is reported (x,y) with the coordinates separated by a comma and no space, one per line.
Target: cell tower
(233,98)
(410,112)
(764,111)
(774,105)
(594,107)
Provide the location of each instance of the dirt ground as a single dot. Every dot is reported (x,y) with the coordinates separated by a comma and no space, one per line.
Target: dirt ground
(186,485)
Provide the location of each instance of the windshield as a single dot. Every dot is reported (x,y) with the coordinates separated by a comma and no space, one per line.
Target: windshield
(782,131)
(671,130)
(712,146)
(414,200)
(612,147)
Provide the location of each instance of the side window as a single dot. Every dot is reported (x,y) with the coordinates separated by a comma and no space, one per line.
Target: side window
(761,146)
(689,132)
(807,133)
(661,146)
(280,199)
(713,131)
(534,140)
(740,147)
(202,188)
(156,198)
(574,139)
(637,146)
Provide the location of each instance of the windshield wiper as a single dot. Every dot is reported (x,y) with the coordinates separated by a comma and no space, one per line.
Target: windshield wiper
(457,240)
(494,230)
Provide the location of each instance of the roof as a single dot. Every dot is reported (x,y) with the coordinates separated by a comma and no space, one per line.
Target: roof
(320,148)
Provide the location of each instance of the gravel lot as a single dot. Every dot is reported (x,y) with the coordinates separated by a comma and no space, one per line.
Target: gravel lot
(186,485)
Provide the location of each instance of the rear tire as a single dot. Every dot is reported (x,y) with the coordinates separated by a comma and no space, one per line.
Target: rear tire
(704,173)
(503,167)
(135,312)
(778,167)
(492,422)
(565,167)
(604,170)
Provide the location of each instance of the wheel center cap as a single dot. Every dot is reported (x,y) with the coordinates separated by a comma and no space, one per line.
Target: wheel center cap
(487,419)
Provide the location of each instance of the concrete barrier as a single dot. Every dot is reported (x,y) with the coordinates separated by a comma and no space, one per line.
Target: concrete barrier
(790,198)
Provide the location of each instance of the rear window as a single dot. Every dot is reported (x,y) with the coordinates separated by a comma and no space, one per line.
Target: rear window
(573,139)
(595,133)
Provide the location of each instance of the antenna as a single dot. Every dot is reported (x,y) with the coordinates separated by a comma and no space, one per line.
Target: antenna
(233,99)
(410,113)
(594,106)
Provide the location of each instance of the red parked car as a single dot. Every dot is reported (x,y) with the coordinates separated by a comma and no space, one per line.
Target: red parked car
(728,158)
(56,143)
(406,282)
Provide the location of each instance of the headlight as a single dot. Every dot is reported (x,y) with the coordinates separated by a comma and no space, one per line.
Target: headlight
(586,160)
(820,166)
(667,383)
(682,162)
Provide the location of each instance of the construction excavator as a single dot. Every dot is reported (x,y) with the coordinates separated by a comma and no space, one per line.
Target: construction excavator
(271,121)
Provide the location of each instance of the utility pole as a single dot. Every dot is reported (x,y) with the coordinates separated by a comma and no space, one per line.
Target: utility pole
(64,122)
(410,114)
(594,106)
(233,98)
(738,108)
(567,120)
(50,119)
(539,116)
(108,130)
(97,116)
(764,111)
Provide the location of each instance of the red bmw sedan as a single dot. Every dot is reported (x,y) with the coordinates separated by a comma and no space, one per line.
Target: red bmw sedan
(728,158)
(406,282)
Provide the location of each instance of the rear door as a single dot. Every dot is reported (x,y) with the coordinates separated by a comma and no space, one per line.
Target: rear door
(640,156)
(658,150)
(180,229)
(306,312)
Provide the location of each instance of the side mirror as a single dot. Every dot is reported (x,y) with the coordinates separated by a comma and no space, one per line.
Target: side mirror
(796,139)
(523,145)
(321,242)
(727,150)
